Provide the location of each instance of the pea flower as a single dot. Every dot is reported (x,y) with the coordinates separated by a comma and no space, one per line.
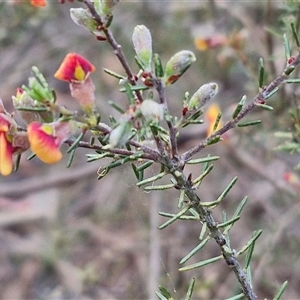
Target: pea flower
(46,138)
(6,147)
(11,141)
(76,70)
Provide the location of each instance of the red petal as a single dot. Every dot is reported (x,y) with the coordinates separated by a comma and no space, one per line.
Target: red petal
(74,68)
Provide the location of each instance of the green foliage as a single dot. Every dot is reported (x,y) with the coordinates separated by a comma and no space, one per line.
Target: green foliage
(144,132)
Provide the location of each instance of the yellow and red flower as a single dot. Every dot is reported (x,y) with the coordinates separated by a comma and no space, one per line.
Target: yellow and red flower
(45,139)
(74,68)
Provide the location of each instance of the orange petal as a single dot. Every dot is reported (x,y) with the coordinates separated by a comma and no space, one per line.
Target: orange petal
(6,152)
(39,3)
(201,44)
(74,68)
(43,143)
(211,116)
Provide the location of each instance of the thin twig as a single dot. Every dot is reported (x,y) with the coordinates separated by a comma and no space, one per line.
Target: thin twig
(172,130)
(117,48)
(260,97)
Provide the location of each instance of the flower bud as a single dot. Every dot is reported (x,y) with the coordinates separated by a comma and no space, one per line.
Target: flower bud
(177,65)
(203,95)
(120,135)
(152,110)
(142,42)
(38,88)
(82,17)
(104,7)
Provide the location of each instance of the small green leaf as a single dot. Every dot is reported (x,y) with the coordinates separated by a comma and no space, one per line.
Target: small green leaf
(116,106)
(249,123)
(201,264)
(151,179)
(159,70)
(112,73)
(202,175)
(144,166)
(255,236)
(76,142)
(160,296)
(202,160)
(195,250)
(214,140)
(190,290)
(165,292)
(181,199)
(70,159)
(17,162)
(249,255)
(203,231)
(229,222)
(173,219)
(159,187)
(219,116)
(237,213)
(295,35)
(295,80)
(264,106)
(286,47)
(281,290)
(239,107)
(274,91)
(237,297)
(168,215)
(261,73)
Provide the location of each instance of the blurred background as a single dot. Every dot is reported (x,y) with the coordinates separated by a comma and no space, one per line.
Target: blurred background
(66,235)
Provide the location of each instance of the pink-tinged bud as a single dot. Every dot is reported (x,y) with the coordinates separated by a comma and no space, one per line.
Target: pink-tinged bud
(46,139)
(177,65)
(120,135)
(84,93)
(74,68)
(152,110)
(203,95)
(142,42)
